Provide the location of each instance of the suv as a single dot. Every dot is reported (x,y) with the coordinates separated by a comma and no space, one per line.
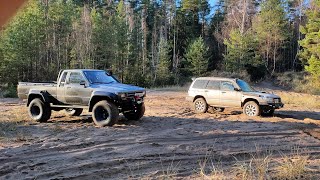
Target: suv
(220,93)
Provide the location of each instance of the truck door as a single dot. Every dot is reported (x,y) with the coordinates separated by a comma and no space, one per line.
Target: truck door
(60,87)
(229,97)
(73,89)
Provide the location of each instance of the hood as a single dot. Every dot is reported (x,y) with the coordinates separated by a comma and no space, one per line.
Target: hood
(117,88)
(261,94)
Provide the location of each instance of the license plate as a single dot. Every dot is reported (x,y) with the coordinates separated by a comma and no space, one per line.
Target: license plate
(276,101)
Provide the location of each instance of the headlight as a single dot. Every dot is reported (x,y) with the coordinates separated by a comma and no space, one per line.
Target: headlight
(141,94)
(269,100)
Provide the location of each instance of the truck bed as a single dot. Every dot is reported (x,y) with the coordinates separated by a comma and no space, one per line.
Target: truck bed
(24,88)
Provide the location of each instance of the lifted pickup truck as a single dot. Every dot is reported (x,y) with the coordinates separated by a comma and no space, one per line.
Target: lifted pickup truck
(77,89)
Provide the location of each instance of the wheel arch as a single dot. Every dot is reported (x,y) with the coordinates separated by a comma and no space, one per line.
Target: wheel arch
(102,96)
(249,99)
(199,96)
(43,95)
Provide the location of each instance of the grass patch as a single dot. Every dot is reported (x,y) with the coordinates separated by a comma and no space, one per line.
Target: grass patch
(301,100)
(292,166)
(259,167)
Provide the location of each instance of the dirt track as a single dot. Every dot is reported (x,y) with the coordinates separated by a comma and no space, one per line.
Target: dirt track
(169,140)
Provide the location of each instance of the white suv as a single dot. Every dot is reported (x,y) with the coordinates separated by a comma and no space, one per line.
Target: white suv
(220,93)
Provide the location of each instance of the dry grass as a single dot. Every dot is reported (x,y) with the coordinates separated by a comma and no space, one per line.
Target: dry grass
(292,166)
(213,172)
(259,167)
(301,100)
(255,168)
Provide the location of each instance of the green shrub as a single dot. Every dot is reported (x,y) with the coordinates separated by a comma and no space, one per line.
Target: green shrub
(242,75)
(9,92)
(299,82)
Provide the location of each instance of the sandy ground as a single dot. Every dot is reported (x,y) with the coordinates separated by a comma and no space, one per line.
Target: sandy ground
(170,140)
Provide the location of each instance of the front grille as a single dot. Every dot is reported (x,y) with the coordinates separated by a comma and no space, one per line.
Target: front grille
(277,100)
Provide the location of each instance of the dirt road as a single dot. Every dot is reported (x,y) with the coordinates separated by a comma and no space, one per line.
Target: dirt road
(170,141)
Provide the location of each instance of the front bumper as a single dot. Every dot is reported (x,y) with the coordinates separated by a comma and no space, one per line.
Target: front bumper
(275,105)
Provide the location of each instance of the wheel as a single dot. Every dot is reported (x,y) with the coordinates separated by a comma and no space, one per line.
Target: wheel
(136,114)
(218,109)
(251,108)
(267,112)
(39,111)
(74,111)
(200,105)
(105,113)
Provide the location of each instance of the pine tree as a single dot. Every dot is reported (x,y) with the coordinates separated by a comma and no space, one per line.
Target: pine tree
(197,56)
(311,51)
(241,51)
(271,27)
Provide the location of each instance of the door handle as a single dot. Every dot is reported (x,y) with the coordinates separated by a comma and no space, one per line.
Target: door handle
(206,91)
(68,87)
(223,92)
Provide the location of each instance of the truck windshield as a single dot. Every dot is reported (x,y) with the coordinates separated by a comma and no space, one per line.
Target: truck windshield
(245,87)
(99,77)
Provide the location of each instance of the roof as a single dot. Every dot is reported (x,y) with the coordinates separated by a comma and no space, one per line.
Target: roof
(83,70)
(216,78)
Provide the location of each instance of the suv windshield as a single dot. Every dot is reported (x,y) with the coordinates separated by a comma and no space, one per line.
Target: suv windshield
(99,77)
(245,87)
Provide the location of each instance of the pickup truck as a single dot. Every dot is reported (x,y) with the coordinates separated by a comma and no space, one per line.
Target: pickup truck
(77,89)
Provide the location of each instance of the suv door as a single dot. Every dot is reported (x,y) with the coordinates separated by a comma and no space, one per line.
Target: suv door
(228,96)
(74,92)
(213,92)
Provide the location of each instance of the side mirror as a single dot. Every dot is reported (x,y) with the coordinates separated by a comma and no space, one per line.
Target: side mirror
(83,83)
(109,73)
(237,89)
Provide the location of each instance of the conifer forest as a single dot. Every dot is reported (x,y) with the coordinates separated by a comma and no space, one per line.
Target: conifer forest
(161,42)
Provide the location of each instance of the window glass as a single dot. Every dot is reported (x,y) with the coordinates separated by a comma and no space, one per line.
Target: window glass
(200,84)
(213,85)
(99,77)
(63,77)
(227,86)
(75,78)
(245,87)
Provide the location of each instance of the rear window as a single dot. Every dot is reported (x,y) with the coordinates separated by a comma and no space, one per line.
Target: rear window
(200,84)
(213,85)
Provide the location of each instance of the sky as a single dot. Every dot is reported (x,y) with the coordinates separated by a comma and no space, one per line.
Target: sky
(212,2)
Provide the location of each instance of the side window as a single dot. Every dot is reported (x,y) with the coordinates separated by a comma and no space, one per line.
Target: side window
(200,84)
(63,77)
(75,78)
(227,86)
(213,85)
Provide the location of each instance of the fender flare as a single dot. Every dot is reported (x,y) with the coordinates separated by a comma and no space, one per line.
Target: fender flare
(33,93)
(101,95)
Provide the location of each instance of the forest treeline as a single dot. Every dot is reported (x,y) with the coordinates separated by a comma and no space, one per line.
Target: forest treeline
(161,42)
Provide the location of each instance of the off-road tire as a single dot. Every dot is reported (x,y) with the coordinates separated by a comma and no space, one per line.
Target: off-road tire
(74,111)
(200,105)
(251,108)
(137,113)
(217,109)
(39,111)
(105,113)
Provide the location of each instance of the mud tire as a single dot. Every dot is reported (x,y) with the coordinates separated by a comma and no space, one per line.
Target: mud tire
(39,111)
(105,113)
